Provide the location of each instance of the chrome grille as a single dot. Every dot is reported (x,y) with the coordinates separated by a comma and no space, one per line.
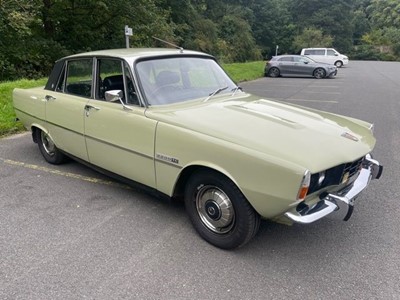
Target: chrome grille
(336,175)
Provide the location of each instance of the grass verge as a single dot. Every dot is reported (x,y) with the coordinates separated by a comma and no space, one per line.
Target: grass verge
(245,71)
(237,71)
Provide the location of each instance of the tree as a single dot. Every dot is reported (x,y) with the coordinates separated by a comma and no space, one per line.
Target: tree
(312,37)
(333,18)
(272,26)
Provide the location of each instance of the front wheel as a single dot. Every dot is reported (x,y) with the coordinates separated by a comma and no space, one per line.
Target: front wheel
(219,211)
(48,149)
(319,73)
(338,64)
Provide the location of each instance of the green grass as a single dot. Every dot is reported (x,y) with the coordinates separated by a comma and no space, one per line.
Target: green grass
(8,125)
(239,72)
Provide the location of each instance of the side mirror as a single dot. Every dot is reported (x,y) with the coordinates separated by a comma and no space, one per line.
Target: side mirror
(116,95)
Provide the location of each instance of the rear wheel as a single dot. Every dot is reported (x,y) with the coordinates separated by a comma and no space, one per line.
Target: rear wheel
(219,211)
(274,72)
(319,73)
(48,149)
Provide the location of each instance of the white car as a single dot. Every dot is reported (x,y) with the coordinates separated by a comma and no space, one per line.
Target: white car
(326,55)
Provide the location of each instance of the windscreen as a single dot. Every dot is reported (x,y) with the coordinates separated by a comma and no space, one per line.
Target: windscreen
(178,79)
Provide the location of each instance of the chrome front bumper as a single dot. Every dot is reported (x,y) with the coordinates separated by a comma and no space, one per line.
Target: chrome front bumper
(340,204)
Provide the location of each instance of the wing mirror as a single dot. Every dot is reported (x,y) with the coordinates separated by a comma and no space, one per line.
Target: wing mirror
(116,95)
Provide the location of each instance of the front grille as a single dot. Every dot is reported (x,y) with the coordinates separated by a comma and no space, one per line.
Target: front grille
(336,175)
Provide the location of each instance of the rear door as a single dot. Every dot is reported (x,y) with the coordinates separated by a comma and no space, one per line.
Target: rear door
(65,106)
(286,65)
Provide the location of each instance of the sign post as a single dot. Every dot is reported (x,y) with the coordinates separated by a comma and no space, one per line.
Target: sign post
(128,33)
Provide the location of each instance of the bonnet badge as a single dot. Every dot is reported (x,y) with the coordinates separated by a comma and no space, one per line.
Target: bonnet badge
(349,136)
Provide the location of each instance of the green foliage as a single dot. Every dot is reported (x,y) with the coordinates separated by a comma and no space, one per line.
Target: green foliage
(331,17)
(240,72)
(312,37)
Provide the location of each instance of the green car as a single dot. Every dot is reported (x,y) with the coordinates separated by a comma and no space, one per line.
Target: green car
(172,121)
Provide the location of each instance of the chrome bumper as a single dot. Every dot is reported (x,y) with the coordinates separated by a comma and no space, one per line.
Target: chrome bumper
(340,203)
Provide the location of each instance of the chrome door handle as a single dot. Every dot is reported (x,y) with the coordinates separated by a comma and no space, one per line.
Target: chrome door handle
(88,108)
(49,97)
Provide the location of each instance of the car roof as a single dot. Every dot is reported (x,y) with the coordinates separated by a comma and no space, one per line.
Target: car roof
(288,55)
(136,53)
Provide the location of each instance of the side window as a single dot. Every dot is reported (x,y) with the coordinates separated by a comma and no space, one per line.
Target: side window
(308,52)
(77,80)
(114,74)
(286,59)
(320,52)
(109,77)
(331,53)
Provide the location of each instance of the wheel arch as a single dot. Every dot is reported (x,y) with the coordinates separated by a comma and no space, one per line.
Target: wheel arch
(188,171)
(34,130)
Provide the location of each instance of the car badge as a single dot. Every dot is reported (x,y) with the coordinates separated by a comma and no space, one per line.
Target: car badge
(349,136)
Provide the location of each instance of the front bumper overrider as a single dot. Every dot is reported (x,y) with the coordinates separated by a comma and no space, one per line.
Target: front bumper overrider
(339,204)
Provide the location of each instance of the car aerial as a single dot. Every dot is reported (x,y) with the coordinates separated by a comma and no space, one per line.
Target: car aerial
(172,121)
(297,65)
(326,55)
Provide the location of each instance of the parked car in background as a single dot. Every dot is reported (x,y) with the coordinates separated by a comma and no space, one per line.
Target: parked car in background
(326,55)
(297,65)
(172,121)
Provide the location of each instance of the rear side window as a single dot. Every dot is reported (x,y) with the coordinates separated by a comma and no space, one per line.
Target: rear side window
(286,59)
(77,80)
(314,52)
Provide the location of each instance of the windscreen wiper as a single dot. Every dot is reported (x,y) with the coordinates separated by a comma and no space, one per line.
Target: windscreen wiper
(234,90)
(219,90)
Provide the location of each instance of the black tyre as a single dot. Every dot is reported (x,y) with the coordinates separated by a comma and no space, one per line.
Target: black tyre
(319,73)
(48,149)
(274,72)
(338,64)
(219,211)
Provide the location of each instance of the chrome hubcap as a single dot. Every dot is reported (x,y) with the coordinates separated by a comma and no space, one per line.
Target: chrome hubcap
(48,144)
(215,209)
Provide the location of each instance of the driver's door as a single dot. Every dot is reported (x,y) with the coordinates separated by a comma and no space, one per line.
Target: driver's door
(118,139)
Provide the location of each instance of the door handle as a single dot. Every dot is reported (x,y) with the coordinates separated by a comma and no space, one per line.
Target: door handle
(49,97)
(88,108)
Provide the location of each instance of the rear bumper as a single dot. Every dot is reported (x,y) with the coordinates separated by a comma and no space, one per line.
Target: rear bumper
(340,204)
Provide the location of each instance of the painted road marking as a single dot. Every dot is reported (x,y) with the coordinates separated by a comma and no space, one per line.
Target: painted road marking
(65,174)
